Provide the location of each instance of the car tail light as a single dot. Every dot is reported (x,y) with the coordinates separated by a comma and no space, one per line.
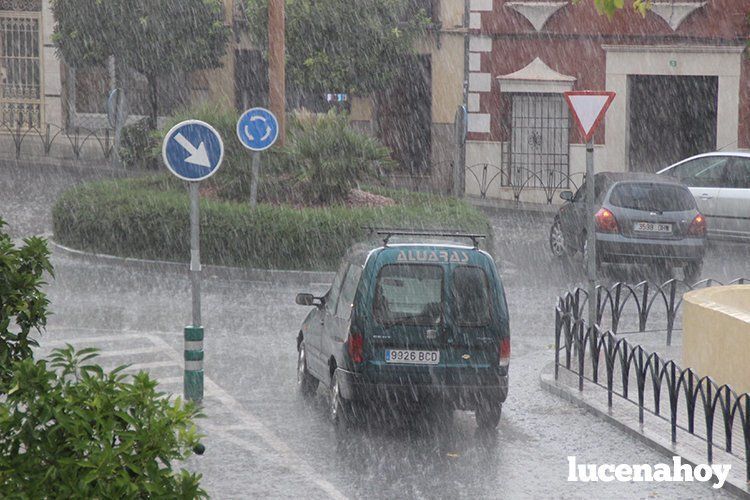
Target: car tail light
(505,351)
(698,226)
(606,222)
(355,347)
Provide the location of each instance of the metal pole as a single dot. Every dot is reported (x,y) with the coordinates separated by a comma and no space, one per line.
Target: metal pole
(193,380)
(591,231)
(254,180)
(276,64)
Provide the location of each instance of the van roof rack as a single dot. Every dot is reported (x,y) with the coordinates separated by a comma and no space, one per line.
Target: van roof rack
(389,233)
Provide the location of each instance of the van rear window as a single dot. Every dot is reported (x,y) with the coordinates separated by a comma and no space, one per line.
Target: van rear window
(652,197)
(409,294)
(471,292)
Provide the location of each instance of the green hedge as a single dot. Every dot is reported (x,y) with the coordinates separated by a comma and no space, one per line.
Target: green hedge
(149,218)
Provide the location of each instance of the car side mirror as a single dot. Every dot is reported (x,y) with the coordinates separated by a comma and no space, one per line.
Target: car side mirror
(566,195)
(305,299)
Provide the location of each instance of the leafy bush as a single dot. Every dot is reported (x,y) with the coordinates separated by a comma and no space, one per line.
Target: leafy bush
(139,146)
(146,218)
(23,304)
(84,433)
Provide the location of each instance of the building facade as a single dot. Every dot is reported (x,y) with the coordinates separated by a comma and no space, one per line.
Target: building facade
(681,75)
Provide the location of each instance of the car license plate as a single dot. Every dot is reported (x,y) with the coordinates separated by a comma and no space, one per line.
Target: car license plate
(653,227)
(403,356)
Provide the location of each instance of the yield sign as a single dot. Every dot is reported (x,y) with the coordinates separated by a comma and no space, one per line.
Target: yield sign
(588,108)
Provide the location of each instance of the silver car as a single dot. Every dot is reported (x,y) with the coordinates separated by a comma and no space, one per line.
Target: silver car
(720,183)
(640,219)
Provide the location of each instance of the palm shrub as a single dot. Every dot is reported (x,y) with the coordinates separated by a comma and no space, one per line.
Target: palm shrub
(326,157)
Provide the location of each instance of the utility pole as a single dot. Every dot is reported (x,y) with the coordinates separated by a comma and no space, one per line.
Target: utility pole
(277,64)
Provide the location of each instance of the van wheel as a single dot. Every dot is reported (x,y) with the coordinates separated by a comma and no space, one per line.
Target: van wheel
(488,415)
(306,383)
(339,409)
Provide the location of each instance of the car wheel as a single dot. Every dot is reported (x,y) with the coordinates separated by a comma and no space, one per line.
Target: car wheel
(692,272)
(338,407)
(488,415)
(306,383)
(557,240)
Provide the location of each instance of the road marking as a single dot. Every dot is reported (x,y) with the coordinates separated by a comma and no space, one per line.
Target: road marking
(290,459)
(303,469)
(44,342)
(248,422)
(155,364)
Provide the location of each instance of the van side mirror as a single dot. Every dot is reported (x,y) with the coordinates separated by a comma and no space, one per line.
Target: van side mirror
(308,299)
(566,195)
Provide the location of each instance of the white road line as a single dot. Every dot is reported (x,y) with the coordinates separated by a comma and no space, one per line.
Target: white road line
(120,333)
(43,342)
(130,352)
(290,459)
(302,468)
(155,364)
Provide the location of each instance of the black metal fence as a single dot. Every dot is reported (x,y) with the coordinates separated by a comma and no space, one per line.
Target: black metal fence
(662,388)
(78,143)
(488,178)
(623,301)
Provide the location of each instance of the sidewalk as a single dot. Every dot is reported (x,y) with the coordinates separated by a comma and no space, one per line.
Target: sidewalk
(655,431)
(495,204)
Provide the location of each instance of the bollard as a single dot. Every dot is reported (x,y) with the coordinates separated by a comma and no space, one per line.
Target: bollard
(194,363)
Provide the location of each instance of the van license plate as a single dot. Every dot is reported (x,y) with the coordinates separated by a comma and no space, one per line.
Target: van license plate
(653,227)
(403,356)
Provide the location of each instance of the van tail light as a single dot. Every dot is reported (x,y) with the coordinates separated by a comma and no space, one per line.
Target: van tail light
(355,347)
(606,222)
(505,351)
(697,227)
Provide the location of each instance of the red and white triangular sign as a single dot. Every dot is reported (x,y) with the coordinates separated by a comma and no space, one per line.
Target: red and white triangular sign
(588,108)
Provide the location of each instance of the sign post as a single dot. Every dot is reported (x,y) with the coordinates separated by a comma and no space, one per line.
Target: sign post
(117,115)
(257,130)
(193,151)
(588,109)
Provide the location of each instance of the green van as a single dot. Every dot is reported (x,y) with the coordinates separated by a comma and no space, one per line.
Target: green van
(409,323)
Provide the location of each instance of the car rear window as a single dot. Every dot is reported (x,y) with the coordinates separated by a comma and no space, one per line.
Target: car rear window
(652,197)
(471,292)
(409,294)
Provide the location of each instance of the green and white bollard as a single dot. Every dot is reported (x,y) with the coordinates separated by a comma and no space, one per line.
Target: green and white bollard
(194,363)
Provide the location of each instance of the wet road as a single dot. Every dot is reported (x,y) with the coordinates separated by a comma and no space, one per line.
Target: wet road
(262,441)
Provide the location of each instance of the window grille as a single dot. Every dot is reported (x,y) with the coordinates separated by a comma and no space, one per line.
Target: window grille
(20,65)
(539,149)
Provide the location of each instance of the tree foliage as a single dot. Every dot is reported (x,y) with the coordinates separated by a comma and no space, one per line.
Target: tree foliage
(23,303)
(340,45)
(82,433)
(157,38)
(609,7)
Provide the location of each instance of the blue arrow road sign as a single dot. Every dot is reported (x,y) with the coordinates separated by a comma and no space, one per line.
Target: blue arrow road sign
(257,129)
(193,150)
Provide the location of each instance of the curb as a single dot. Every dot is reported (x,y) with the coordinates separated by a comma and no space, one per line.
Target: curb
(511,206)
(221,272)
(646,433)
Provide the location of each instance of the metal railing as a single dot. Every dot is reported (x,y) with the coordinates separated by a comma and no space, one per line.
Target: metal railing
(76,142)
(612,303)
(520,180)
(646,379)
